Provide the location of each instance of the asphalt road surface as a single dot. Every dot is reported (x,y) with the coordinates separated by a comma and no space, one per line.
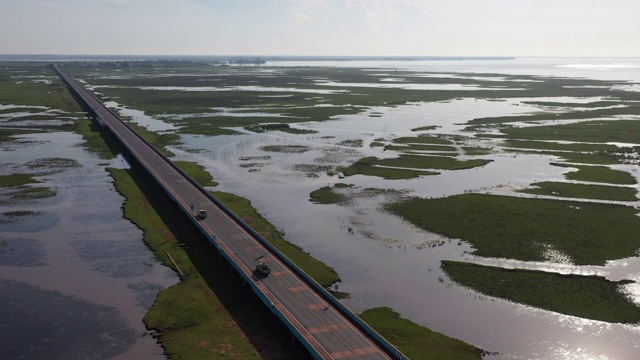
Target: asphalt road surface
(332,335)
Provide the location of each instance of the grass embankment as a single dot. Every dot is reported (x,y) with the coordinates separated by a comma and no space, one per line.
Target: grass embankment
(519,228)
(584,191)
(415,341)
(197,173)
(209,313)
(589,297)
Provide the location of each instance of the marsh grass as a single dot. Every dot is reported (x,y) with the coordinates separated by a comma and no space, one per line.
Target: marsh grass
(54,95)
(17,179)
(18,213)
(31,193)
(285,148)
(584,191)
(261,128)
(367,166)
(521,228)
(476,151)
(197,173)
(420,147)
(589,297)
(630,109)
(424,139)
(551,145)
(8,135)
(326,195)
(408,166)
(595,158)
(600,174)
(415,341)
(623,131)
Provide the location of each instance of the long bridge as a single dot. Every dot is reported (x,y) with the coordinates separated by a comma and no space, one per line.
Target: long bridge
(326,328)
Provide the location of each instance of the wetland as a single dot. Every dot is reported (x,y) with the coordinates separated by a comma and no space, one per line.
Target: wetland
(471,190)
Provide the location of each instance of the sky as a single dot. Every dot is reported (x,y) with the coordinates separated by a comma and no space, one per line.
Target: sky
(595,28)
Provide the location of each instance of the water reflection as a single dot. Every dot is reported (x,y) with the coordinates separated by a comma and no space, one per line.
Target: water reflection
(75,277)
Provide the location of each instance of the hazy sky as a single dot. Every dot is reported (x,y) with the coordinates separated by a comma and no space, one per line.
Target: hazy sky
(322,27)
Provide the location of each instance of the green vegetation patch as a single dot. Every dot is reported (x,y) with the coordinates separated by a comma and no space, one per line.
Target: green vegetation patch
(351,143)
(589,297)
(423,139)
(574,114)
(260,128)
(14,180)
(7,135)
(584,191)
(425,128)
(601,174)
(18,213)
(197,173)
(52,165)
(420,147)
(623,131)
(476,151)
(31,193)
(367,166)
(285,148)
(552,145)
(595,158)
(327,195)
(520,228)
(415,341)
(53,95)
(431,162)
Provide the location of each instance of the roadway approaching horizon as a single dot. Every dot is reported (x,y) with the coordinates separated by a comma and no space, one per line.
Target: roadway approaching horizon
(326,329)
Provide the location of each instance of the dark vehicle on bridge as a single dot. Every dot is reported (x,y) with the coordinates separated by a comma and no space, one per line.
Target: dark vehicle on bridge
(263,268)
(202,215)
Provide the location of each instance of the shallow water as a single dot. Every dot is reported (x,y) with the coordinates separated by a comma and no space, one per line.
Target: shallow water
(385,261)
(76,275)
